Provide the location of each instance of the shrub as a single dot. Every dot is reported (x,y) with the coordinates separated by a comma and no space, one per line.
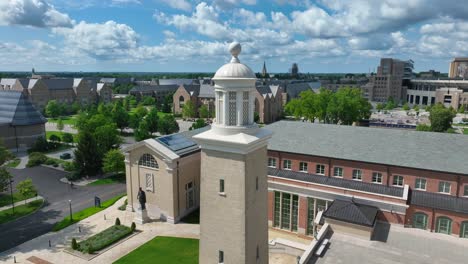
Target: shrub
(36,159)
(117,221)
(74,244)
(67,137)
(54,138)
(51,162)
(104,239)
(69,166)
(133,226)
(74,175)
(123,206)
(41,145)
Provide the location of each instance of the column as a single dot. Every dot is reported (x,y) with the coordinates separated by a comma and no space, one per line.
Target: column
(302,218)
(239,106)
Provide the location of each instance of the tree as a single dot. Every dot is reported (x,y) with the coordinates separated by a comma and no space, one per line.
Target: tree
(142,132)
(380,107)
(141,112)
(198,124)
(60,124)
(54,138)
(67,138)
(168,125)
(416,108)
(189,110)
(52,109)
(461,109)
(5,154)
(148,101)
(5,178)
(120,116)
(152,120)
(167,104)
(87,155)
(406,107)
(107,137)
(75,107)
(41,145)
(423,127)
(293,108)
(26,188)
(204,113)
(113,161)
(441,118)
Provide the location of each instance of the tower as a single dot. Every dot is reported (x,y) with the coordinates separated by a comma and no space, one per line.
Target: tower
(264,71)
(233,193)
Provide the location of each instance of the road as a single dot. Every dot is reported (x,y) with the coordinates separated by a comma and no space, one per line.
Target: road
(56,208)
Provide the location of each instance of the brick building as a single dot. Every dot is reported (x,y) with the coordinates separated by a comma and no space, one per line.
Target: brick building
(419,180)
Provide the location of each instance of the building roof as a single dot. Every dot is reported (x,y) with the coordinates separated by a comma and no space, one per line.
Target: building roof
(351,212)
(182,143)
(412,149)
(439,201)
(8,81)
(16,110)
(234,69)
(59,84)
(207,91)
(155,88)
(177,82)
(337,182)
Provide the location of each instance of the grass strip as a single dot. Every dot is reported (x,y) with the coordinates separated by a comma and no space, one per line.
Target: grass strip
(22,210)
(78,216)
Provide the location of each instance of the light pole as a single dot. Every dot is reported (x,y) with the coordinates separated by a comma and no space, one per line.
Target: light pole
(71,215)
(11,192)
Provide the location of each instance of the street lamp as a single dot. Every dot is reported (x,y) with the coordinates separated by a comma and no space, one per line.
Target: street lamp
(71,216)
(11,191)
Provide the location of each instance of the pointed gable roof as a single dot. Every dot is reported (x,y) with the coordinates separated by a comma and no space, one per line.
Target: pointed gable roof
(351,212)
(17,110)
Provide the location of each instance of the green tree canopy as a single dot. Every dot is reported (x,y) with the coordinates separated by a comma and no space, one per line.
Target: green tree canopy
(88,157)
(60,124)
(120,115)
(5,154)
(26,188)
(142,132)
(406,107)
(461,109)
(380,107)
(5,178)
(114,161)
(152,120)
(140,112)
(148,101)
(107,137)
(168,125)
(204,113)
(167,104)
(189,109)
(67,138)
(198,124)
(53,109)
(441,118)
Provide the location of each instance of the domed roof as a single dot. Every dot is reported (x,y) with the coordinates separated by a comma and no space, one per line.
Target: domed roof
(234,69)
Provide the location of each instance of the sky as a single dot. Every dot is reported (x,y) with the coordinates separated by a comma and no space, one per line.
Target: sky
(322,36)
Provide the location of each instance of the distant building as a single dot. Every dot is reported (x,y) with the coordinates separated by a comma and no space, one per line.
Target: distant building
(449,92)
(294,71)
(391,80)
(458,68)
(159,92)
(20,122)
(264,71)
(429,74)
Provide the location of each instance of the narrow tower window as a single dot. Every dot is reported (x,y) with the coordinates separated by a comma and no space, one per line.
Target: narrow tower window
(221,186)
(256,183)
(232,109)
(221,257)
(245,109)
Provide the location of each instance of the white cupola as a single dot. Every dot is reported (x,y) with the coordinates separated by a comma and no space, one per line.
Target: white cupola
(234,87)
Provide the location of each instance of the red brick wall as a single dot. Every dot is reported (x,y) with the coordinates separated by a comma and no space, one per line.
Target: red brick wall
(457,218)
(409,175)
(303,212)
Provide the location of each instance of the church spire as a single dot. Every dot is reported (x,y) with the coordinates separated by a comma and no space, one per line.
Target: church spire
(264,70)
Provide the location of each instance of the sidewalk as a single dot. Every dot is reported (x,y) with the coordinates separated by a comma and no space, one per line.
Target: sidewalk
(21,203)
(39,247)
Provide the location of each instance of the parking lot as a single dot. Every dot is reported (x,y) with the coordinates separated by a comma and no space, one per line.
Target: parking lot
(403,245)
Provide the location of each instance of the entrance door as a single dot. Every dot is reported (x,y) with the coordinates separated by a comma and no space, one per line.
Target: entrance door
(464,229)
(444,225)
(190,195)
(420,221)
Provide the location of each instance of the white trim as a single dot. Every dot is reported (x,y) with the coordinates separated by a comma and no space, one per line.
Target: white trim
(335,187)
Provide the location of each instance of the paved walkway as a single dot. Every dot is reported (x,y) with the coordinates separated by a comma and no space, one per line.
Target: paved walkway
(21,203)
(50,126)
(39,247)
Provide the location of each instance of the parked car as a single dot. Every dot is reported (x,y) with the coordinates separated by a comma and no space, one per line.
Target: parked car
(65,156)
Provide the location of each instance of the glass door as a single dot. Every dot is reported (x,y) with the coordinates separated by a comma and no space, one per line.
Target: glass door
(420,221)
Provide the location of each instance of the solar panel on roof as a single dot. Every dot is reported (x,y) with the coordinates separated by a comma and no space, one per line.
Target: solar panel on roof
(177,142)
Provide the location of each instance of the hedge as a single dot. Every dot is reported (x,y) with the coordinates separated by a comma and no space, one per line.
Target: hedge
(104,239)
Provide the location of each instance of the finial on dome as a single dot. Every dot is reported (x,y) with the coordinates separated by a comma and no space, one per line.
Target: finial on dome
(235,49)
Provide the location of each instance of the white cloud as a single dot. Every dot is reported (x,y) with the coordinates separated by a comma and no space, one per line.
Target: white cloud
(125,2)
(178,4)
(36,13)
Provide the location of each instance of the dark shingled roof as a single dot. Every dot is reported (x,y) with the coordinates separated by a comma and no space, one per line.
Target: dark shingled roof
(17,110)
(412,149)
(337,182)
(58,84)
(439,201)
(350,212)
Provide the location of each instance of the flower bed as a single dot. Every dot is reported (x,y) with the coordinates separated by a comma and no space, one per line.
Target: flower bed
(104,239)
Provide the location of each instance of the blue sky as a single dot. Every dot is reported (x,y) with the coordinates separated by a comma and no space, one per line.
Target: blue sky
(188,36)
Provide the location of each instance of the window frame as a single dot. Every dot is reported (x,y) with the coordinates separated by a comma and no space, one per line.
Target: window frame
(357,172)
(148,161)
(420,180)
(301,166)
(335,170)
(149,185)
(443,185)
(320,169)
(222,187)
(396,181)
(272,162)
(377,175)
(465,190)
(289,162)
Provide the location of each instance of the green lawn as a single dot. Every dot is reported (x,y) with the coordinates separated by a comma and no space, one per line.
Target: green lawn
(60,134)
(22,210)
(78,216)
(67,120)
(5,198)
(162,250)
(465,131)
(118,178)
(14,163)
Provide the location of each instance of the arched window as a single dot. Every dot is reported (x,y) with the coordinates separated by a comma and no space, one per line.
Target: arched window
(420,220)
(444,225)
(464,229)
(148,160)
(181,101)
